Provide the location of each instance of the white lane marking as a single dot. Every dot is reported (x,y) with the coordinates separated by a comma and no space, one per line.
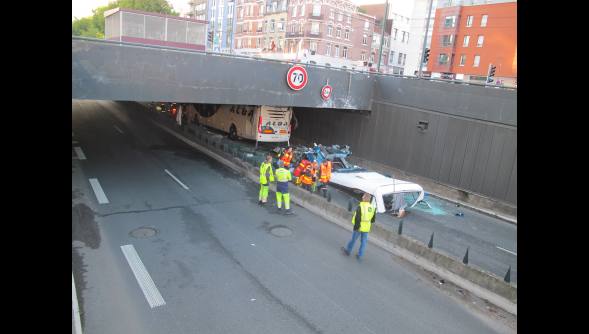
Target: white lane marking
(77,322)
(508,251)
(152,294)
(175,179)
(80,153)
(100,196)
(119,130)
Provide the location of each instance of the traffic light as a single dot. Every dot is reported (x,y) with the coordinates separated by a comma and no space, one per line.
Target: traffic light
(210,37)
(491,74)
(425,55)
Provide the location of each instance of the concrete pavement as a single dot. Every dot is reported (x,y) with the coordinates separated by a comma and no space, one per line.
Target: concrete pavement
(218,259)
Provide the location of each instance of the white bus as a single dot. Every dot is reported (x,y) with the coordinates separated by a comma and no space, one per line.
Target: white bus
(259,123)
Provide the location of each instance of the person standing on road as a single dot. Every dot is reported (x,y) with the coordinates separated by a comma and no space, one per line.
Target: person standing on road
(282,178)
(265,174)
(363,219)
(325,176)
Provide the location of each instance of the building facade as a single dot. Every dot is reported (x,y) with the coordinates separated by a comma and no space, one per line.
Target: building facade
(220,15)
(467,39)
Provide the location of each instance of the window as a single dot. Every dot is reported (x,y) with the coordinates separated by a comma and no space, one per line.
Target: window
(466,40)
(364,39)
(484,21)
(480,41)
(462,60)
(447,40)
(281,25)
(293,28)
(450,22)
(328,49)
(395,31)
(391,57)
(347,34)
(477,60)
(331,16)
(329,30)
(400,59)
(345,51)
(315,27)
(469,20)
(336,51)
(404,58)
(363,56)
(272,25)
(407,41)
(349,17)
(443,59)
(302,11)
(338,32)
(316,10)
(301,25)
(261,10)
(403,38)
(340,17)
(313,46)
(372,58)
(366,25)
(294,11)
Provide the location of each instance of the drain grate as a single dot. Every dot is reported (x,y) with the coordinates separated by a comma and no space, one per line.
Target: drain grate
(281,231)
(143,232)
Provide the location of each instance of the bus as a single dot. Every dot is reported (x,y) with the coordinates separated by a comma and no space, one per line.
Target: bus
(259,123)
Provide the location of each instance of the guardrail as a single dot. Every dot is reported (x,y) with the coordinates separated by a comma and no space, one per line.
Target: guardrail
(289,62)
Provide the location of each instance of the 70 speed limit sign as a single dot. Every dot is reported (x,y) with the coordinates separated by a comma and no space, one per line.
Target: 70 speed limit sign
(296,77)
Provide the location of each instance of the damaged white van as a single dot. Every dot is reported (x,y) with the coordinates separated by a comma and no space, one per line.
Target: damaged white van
(389,195)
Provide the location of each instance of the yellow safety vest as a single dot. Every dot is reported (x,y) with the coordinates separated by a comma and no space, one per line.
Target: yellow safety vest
(283,175)
(367,212)
(266,168)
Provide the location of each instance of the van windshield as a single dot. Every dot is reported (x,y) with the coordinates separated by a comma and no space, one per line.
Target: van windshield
(397,201)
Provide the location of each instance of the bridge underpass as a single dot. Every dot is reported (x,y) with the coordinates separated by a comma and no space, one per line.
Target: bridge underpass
(459,139)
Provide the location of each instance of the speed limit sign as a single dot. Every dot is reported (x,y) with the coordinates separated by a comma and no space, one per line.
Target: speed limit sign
(296,77)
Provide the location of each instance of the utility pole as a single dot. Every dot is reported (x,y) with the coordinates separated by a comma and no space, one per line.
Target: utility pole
(429,14)
(384,20)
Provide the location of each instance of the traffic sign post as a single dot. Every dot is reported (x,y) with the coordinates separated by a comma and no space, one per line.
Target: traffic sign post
(296,77)
(326,92)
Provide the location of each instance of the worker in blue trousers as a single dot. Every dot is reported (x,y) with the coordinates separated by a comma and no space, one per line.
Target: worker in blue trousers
(363,218)
(282,178)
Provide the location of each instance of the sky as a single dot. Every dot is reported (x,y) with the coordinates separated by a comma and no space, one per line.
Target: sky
(83,8)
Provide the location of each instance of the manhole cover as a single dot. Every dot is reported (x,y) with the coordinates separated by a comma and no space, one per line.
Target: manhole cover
(281,231)
(143,232)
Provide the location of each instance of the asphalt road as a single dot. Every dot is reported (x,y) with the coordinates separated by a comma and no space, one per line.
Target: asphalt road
(221,263)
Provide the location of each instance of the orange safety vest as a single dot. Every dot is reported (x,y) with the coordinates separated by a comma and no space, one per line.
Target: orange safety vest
(325,172)
(286,157)
(306,178)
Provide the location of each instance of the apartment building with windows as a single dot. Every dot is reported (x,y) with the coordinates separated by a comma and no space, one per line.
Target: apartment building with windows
(249,30)
(469,37)
(328,32)
(220,17)
(274,27)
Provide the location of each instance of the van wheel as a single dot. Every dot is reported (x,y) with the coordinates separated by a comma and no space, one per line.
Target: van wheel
(233,132)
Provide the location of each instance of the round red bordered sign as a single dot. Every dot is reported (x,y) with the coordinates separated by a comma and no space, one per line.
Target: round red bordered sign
(326,92)
(296,77)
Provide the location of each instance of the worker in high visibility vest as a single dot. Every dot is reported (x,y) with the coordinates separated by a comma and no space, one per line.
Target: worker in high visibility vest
(324,176)
(265,174)
(282,178)
(363,218)
(300,170)
(287,157)
(307,177)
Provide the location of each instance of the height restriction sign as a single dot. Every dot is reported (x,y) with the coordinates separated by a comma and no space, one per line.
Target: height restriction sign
(296,77)
(326,92)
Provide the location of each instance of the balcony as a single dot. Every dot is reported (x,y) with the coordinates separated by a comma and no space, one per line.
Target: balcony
(295,34)
(315,17)
(315,34)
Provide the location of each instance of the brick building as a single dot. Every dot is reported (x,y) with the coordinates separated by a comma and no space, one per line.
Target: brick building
(466,39)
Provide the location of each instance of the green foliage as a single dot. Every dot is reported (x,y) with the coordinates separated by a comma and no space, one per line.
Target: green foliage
(93,26)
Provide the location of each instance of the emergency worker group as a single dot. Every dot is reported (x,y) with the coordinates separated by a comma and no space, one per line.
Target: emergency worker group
(312,176)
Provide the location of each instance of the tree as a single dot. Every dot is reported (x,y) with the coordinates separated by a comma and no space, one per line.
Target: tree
(93,26)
